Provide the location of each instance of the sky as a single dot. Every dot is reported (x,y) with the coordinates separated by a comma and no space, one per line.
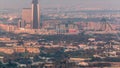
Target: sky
(64,3)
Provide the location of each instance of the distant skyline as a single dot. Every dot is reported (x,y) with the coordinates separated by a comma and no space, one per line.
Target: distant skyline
(15,4)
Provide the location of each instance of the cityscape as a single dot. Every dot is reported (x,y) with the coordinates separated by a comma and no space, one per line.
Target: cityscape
(59,37)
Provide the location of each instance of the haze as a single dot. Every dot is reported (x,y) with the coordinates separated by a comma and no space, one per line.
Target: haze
(115,4)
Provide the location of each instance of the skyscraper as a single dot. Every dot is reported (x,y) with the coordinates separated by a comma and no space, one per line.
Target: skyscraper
(35,15)
(26,18)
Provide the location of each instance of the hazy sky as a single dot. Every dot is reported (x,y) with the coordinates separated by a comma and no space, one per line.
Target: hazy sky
(54,3)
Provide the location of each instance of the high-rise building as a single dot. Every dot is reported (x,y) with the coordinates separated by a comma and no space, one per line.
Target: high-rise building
(35,15)
(31,16)
(27,17)
(21,24)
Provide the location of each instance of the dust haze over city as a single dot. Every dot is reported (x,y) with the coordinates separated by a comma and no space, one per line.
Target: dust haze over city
(59,33)
(54,3)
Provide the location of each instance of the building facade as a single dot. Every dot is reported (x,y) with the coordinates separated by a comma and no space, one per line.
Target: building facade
(35,15)
(26,17)
(31,16)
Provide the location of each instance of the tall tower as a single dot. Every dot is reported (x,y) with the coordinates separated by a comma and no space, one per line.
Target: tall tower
(35,15)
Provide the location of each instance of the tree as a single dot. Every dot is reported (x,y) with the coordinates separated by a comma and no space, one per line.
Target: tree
(11,65)
(1,65)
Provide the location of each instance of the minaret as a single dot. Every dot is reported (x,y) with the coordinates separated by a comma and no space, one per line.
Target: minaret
(35,15)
